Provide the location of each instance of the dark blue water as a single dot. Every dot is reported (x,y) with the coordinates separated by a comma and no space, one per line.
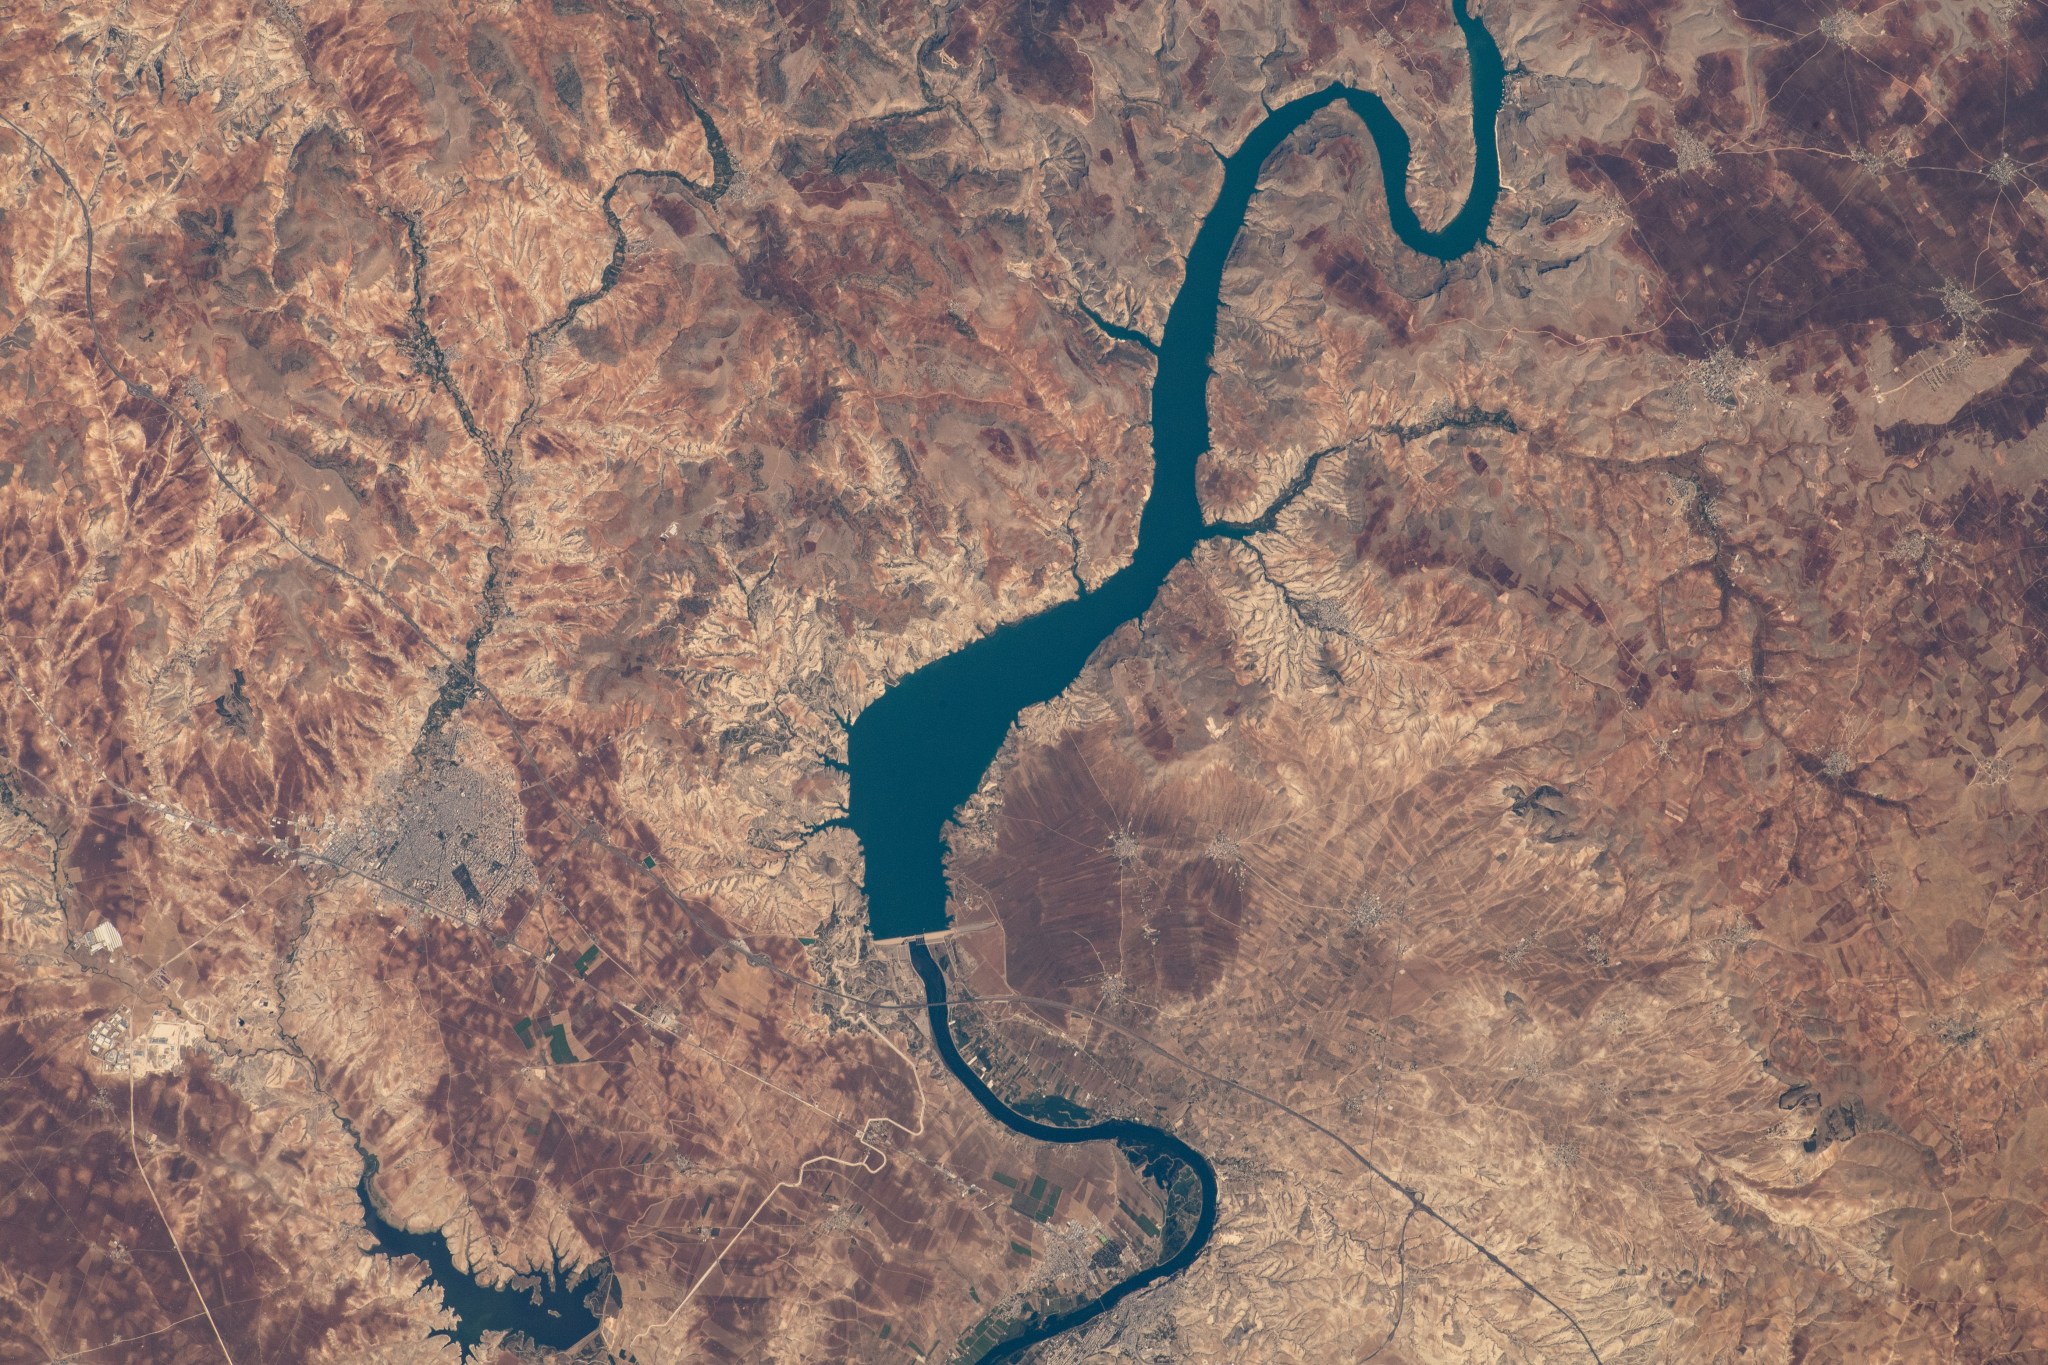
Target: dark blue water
(557,1317)
(920,750)
(1151,1149)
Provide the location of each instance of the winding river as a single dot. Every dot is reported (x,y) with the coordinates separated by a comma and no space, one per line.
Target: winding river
(920,751)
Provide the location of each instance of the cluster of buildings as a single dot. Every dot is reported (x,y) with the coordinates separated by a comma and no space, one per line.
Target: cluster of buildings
(448,838)
(116,1047)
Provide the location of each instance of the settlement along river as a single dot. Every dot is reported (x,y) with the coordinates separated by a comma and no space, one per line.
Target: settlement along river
(921,749)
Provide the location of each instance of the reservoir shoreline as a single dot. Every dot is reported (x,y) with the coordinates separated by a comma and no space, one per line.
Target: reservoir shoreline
(920,751)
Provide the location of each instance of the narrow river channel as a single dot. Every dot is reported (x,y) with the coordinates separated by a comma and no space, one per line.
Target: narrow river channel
(920,750)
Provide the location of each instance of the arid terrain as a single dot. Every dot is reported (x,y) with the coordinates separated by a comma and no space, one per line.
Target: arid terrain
(1577,869)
